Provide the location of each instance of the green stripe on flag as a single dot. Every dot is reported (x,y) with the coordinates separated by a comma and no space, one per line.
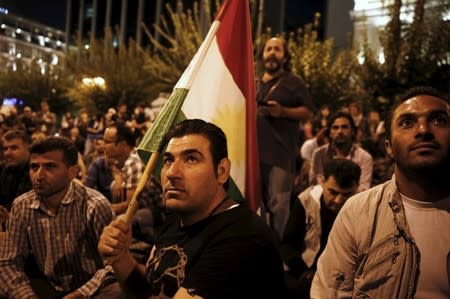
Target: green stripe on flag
(169,115)
(152,141)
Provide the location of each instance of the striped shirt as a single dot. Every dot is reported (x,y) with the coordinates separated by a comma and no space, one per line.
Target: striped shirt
(131,172)
(64,245)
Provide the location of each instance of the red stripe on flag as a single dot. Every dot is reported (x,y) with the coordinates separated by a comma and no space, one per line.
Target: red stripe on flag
(235,43)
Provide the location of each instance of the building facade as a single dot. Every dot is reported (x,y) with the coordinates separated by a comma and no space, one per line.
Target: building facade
(23,41)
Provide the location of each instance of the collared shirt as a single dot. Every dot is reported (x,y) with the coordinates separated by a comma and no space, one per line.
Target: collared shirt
(64,245)
(132,171)
(324,154)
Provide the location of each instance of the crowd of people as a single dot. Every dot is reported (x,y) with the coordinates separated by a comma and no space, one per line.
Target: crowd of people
(65,186)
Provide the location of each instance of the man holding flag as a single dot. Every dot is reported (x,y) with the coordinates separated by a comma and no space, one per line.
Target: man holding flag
(212,247)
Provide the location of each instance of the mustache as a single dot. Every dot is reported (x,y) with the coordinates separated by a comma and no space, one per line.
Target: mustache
(272,59)
(424,142)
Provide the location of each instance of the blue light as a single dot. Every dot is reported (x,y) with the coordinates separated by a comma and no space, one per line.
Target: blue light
(12,102)
(4,10)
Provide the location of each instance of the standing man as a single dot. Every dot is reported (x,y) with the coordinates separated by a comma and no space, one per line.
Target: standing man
(14,178)
(212,247)
(283,102)
(342,134)
(392,241)
(312,215)
(58,223)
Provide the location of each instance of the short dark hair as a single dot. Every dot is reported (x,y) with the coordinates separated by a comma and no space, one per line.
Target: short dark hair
(345,172)
(124,133)
(63,144)
(408,94)
(341,114)
(215,135)
(16,134)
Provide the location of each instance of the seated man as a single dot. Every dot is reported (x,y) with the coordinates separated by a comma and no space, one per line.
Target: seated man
(14,179)
(312,215)
(212,247)
(58,223)
(342,137)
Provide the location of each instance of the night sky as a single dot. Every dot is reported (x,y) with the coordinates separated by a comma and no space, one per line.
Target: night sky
(53,12)
(47,12)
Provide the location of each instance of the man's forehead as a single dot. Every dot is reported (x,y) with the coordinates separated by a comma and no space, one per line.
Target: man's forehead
(341,120)
(422,104)
(333,184)
(275,41)
(50,156)
(188,142)
(16,141)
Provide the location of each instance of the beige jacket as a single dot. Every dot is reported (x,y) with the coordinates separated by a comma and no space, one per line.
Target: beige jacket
(370,252)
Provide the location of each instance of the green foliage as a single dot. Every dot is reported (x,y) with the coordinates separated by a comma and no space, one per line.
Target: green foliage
(415,54)
(126,80)
(328,76)
(180,38)
(29,83)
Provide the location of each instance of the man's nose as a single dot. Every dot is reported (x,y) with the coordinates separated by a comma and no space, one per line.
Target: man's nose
(174,170)
(424,126)
(39,173)
(424,130)
(339,199)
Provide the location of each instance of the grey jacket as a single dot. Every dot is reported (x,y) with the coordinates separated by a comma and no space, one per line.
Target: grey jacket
(310,200)
(370,252)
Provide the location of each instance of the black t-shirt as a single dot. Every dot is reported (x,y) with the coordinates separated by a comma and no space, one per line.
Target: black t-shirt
(278,136)
(229,255)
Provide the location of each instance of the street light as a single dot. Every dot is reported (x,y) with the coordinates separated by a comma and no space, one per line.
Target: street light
(94,82)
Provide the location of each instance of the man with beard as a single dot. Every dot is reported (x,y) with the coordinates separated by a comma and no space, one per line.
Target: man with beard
(342,134)
(392,241)
(58,223)
(14,179)
(283,102)
(312,215)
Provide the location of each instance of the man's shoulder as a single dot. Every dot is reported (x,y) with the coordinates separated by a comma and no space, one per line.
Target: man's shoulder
(242,223)
(91,195)
(24,200)
(292,78)
(367,201)
(133,161)
(321,151)
(363,153)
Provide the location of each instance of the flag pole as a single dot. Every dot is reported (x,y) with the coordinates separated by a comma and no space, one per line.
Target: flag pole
(134,203)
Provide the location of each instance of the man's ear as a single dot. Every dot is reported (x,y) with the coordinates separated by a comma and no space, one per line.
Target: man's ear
(388,147)
(73,171)
(223,170)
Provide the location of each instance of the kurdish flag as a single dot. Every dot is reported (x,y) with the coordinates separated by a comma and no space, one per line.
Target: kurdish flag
(218,87)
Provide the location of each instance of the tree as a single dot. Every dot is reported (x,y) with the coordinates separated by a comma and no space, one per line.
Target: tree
(125,78)
(34,81)
(415,54)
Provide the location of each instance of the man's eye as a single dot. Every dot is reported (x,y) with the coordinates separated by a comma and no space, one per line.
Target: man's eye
(167,161)
(440,121)
(405,123)
(333,192)
(191,159)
